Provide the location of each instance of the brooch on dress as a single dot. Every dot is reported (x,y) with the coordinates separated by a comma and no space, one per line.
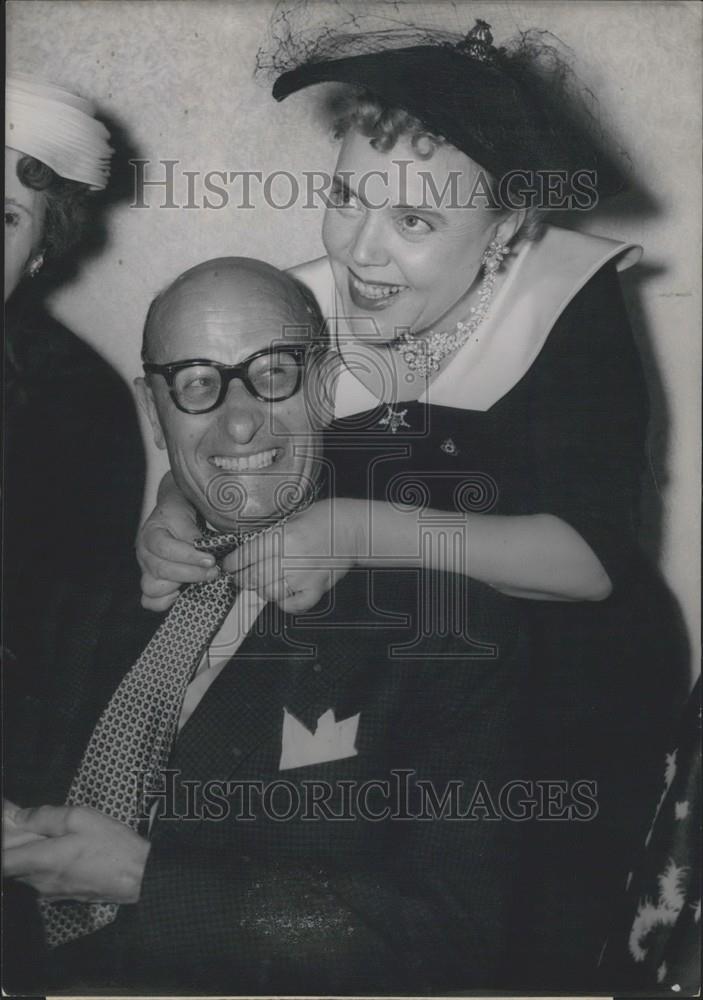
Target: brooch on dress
(394,420)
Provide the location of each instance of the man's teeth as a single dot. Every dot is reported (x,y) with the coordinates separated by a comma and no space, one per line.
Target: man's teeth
(246,462)
(375,291)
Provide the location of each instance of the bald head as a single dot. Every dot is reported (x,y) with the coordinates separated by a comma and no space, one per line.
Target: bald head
(224,297)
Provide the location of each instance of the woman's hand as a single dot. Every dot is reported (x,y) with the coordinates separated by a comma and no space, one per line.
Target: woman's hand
(167,558)
(296,563)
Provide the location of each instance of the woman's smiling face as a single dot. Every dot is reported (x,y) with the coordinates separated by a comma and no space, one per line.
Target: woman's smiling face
(403,251)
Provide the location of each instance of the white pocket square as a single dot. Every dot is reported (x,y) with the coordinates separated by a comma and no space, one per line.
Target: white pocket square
(331,740)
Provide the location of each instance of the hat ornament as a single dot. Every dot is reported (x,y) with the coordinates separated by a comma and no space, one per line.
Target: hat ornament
(478,43)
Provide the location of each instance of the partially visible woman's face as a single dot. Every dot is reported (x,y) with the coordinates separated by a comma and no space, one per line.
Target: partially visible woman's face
(412,261)
(25,210)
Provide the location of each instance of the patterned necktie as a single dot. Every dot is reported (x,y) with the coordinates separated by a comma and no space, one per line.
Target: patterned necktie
(133,738)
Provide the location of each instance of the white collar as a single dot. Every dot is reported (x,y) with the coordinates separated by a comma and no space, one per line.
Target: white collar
(544,277)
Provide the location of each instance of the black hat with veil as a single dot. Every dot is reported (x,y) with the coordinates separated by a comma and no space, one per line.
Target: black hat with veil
(513,108)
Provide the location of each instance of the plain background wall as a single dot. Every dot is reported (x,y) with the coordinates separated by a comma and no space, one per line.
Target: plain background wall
(176,76)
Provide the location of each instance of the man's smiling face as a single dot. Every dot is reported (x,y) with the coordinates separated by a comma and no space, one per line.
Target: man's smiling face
(245,461)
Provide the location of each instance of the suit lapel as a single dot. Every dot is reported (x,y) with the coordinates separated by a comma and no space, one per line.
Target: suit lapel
(243,708)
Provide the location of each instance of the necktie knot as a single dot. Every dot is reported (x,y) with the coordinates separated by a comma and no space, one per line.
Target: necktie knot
(218,543)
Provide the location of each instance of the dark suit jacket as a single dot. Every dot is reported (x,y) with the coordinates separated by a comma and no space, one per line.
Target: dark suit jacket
(309,903)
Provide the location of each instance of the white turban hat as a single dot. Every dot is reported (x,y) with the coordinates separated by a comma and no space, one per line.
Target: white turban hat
(58,128)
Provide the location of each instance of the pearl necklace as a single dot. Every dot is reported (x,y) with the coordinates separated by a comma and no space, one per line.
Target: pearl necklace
(423,355)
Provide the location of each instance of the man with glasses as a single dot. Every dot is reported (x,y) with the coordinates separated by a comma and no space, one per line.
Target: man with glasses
(222,389)
(260,802)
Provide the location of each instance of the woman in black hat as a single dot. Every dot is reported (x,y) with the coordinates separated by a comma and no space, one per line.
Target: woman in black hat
(489,376)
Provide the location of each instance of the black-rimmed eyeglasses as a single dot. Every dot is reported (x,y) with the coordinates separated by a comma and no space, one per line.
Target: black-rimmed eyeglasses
(198,385)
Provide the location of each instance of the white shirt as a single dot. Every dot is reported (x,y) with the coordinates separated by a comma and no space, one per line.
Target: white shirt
(235,628)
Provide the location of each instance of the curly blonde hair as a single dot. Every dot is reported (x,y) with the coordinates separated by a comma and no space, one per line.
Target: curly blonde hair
(352,108)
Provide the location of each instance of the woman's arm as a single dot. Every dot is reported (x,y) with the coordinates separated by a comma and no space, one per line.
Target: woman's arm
(530,556)
(536,556)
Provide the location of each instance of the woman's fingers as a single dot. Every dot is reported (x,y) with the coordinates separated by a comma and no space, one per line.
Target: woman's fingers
(159,604)
(236,561)
(177,572)
(255,564)
(158,595)
(293,591)
(244,556)
(157,545)
(258,578)
(256,551)
(151,587)
(167,563)
(267,578)
(161,544)
(304,591)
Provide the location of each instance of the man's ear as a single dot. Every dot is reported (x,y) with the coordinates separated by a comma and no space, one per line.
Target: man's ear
(146,400)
